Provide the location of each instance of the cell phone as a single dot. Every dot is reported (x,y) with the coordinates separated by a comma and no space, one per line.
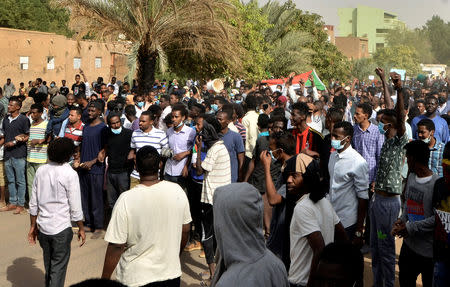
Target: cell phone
(265,106)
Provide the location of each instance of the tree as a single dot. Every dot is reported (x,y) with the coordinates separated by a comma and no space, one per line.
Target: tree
(37,15)
(439,34)
(161,30)
(417,39)
(399,57)
(362,68)
(289,50)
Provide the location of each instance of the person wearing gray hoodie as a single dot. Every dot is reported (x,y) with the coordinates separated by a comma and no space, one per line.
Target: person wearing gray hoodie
(243,258)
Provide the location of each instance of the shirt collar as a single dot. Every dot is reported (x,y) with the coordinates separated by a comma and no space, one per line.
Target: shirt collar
(345,153)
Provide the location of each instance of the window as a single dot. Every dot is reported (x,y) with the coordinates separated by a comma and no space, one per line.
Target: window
(50,63)
(98,62)
(382,31)
(23,63)
(76,63)
(380,45)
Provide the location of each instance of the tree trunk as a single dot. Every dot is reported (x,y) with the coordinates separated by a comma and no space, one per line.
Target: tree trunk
(146,67)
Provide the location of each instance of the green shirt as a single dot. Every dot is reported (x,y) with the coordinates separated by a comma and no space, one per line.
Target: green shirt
(389,173)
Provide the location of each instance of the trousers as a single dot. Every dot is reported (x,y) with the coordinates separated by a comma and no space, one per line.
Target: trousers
(56,250)
(384,212)
(208,239)
(15,173)
(31,171)
(167,283)
(116,183)
(194,193)
(411,264)
(91,186)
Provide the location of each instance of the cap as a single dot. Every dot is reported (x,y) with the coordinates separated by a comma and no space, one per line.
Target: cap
(282,99)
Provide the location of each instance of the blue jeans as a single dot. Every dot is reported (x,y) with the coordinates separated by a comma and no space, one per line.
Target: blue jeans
(383,212)
(441,274)
(15,173)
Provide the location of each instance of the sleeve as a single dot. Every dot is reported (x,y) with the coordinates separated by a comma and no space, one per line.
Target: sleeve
(26,125)
(117,231)
(315,93)
(404,216)
(414,128)
(63,128)
(74,197)
(336,218)
(87,89)
(422,226)
(190,142)
(292,94)
(164,143)
(445,133)
(133,141)
(33,200)
(305,221)
(380,142)
(187,213)
(239,144)
(361,180)
(208,162)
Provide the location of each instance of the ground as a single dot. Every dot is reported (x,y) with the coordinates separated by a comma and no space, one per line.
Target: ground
(22,265)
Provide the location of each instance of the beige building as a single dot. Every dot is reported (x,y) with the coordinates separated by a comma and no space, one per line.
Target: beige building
(27,55)
(329,29)
(353,47)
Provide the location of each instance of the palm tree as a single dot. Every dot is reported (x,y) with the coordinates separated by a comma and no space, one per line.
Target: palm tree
(289,45)
(158,28)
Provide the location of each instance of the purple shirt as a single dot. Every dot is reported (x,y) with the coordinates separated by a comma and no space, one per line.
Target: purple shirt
(179,142)
(135,125)
(368,143)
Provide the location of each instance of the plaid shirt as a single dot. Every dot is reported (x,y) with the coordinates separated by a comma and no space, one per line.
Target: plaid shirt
(368,143)
(435,162)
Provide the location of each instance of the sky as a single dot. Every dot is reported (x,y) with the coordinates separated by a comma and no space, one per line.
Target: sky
(414,13)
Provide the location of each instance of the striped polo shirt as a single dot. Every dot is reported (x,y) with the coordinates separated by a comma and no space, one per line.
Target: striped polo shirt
(155,138)
(37,153)
(74,133)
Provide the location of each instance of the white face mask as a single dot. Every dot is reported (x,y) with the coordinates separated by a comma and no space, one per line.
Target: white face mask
(427,140)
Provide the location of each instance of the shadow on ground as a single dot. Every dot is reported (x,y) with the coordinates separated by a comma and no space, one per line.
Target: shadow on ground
(24,273)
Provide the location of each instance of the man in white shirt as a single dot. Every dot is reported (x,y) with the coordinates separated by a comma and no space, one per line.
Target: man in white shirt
(145,249)
(349,182)
(115,85)
(250,122)
(164,103)
(55,202)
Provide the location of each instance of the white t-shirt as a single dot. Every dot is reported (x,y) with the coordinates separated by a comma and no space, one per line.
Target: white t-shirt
(308,217)
(149,220)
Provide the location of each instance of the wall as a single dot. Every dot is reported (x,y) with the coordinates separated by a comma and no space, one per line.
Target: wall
(38,46)
(329,29)
(353,47)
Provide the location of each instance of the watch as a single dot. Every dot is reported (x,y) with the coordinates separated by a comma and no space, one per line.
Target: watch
(14,142)
(358,234)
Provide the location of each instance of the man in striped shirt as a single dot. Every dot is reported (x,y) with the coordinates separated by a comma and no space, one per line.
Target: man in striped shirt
(74,131)
(36,145)
(144,136)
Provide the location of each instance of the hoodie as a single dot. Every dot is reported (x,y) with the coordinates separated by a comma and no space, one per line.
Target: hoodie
(243,257)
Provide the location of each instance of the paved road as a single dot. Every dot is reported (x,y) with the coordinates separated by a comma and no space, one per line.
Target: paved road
(21,265)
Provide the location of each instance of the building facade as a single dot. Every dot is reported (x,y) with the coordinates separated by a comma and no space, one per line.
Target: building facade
(353,47)
(368,22)
(27,55)
(329,29)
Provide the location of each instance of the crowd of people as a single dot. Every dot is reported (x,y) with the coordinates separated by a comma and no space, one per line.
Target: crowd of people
(277,186)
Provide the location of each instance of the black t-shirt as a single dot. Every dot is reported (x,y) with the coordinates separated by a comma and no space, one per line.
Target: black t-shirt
(441,203)
(76,89)
(117,149)
(20,125)
(64,91)
(257,179)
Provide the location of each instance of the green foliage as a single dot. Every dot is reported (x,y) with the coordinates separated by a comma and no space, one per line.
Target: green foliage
(37,15)
(417,39)
(252,24)
(328,61)
(439,34)
(362,68)
(399,57)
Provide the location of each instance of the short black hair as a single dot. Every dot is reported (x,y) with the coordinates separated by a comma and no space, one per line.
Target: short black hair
(130,110)
(251,102)
(147,161)
(16,99)
(348,256)
(200,107)
(263,121)
(340,101)
(285,141)
(302,108)
(221,99)
(419,151)
(335,114)
(366,108)
(239,110)
(112,115)
(81,95)
(40,97)
(446,154)
(228,110)
(60,150)
(166,98)
(38,107)
(390,114)
(278,118)
(427,123)
(150,114)
(181,108)
(77,109)
(155,109)
(98,283)
(346,126)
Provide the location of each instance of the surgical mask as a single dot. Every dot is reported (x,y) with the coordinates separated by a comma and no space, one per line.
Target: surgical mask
(214,107)
(116,131)
(238,102)
(140,104)
(261,111)
(180,125)
(381,128)
(52,85)
(337,144)
(427,140)
(271,155)
(157,102)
